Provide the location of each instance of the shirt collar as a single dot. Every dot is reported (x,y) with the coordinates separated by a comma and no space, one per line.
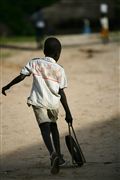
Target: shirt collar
(49,59)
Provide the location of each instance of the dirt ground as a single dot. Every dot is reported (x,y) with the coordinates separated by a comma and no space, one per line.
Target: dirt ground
(93,96)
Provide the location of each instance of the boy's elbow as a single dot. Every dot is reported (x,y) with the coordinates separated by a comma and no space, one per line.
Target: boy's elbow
(62,94)
(22,77)
(61,91)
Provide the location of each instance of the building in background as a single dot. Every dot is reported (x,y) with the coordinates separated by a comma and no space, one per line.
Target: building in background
(68,15)
(61,16)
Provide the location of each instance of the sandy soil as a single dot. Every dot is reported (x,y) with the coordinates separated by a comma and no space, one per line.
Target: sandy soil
(93,96)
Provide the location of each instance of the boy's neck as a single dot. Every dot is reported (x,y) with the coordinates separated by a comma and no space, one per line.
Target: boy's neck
(51,57)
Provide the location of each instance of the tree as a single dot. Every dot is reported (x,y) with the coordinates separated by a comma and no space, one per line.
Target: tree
(15,15)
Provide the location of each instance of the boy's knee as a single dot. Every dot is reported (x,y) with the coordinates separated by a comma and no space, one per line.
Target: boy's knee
(45,127)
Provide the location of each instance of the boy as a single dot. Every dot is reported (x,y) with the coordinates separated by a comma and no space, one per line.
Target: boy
(49,81)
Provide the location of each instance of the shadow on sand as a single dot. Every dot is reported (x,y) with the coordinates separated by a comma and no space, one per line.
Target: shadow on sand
(100,143)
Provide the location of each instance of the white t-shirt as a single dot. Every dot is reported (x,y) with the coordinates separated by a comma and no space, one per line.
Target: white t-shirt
(48,78)
(40,24)
(104,22)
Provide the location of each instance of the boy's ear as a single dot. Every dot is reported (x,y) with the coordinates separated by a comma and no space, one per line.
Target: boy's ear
(57,55)
(44,51)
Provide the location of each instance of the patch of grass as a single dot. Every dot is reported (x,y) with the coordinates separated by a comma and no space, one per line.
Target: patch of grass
(6,40)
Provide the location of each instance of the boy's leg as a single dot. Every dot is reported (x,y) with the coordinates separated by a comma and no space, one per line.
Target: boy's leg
(55,137)
(45,131)
(56,142)
(44,124)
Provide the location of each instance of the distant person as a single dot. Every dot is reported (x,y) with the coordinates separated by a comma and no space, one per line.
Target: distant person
(40,26)
(49,81)
(104,21)
(86,28)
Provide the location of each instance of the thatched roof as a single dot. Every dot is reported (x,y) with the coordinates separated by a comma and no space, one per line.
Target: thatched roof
(72,9)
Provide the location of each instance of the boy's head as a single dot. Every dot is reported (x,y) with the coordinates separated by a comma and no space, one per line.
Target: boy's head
(52,48)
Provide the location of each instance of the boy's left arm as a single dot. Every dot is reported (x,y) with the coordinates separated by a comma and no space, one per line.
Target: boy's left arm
(18,79)
(63,100)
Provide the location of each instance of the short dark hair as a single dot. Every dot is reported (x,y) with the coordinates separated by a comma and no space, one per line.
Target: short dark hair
(52,46)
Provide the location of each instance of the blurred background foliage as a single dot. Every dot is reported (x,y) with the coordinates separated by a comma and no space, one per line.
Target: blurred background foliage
(15,16)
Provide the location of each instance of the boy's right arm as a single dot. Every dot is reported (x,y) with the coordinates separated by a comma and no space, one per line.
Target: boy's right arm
(18,79)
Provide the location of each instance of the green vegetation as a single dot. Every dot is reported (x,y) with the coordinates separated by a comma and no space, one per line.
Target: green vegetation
(15,15)
(16,39)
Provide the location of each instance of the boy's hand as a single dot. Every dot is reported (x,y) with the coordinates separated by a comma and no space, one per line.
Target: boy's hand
(69,118)
(4,89)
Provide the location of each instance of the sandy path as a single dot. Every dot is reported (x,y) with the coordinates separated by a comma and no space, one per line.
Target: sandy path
(93,95)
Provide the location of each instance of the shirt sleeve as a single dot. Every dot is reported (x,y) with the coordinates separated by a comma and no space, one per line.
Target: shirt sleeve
(63,80)
(27,70)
